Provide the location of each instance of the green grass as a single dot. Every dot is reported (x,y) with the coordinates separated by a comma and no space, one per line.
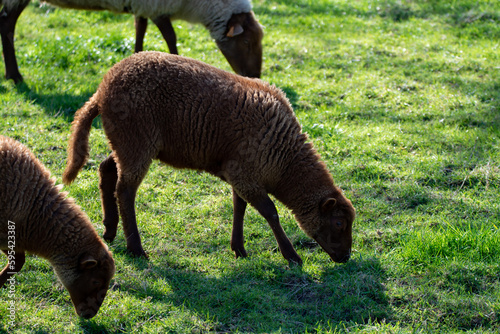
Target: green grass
(401,99)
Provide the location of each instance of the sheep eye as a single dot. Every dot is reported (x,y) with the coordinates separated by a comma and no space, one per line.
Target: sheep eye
(339,223)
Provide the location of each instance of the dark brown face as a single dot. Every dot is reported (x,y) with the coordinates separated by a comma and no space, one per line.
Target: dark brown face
(242,46)
(89,289)
(335,232)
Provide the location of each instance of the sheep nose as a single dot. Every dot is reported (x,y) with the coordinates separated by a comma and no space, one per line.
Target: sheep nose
(252,74)
(345,258)
(87,314)
(342,259)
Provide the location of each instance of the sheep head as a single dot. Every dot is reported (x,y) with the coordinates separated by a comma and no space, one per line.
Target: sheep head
(242,45)
(87,281)
(333,227)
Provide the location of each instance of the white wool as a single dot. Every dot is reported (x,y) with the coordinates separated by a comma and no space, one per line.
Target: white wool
(213,14)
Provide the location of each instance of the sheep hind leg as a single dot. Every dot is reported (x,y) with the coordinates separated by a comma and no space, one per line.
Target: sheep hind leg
(8,19)
(266,208)
(126,190)
(141,25)
(237,241)
(13,267)
(163,23)
(108,177)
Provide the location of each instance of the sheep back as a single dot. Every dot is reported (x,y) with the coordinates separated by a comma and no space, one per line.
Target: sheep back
(191,115)
(212,14)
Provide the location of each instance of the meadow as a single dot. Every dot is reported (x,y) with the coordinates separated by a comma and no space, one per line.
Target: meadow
(401,98)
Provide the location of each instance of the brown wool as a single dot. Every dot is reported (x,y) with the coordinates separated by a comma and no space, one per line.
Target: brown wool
(48,224)
(191,115)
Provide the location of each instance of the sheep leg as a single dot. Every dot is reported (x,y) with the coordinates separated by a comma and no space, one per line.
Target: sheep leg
(237,242)
(8,19)
(141,24)
(13,267)
(163,23)
(126,190)
(108,176)
(266,208)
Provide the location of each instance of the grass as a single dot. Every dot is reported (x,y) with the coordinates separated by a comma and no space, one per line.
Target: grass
(401,99)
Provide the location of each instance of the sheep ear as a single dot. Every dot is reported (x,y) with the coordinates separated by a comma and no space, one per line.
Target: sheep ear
(235,30)
(88,262)
(328,204)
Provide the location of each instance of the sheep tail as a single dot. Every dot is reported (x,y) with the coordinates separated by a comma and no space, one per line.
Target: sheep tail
(78,146)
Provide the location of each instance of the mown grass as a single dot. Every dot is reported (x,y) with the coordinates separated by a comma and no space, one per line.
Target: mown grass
(401,99)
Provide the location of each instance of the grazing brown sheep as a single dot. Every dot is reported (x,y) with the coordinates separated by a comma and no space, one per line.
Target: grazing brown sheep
(191,115)
(36,217)
(231,23)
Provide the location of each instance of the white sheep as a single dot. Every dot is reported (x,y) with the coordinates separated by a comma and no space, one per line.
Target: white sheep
(231,24)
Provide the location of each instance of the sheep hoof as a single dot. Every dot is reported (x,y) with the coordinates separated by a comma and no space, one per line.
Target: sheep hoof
(240,253)
(109,237)
(295,262)
(138,253)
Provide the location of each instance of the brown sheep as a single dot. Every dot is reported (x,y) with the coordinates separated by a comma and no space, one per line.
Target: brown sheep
(231,24)
(191,115)
(36,217)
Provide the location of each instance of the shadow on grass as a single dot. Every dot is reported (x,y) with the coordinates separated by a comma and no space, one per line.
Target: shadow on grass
(58,105)
(258,296)
(291,95)
(92,326)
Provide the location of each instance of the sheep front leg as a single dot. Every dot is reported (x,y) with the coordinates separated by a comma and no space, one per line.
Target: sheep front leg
(237,242)
(126,190)
(12,267)
(8,19)
(266,208)
(163,23)
(108,177)
(141,25)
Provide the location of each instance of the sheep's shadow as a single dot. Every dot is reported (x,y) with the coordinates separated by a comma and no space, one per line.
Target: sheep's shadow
(256,295)
(62,104)
(92,326)
(291,95)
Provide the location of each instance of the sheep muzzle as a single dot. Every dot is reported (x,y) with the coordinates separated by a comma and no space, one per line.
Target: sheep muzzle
(338,252)
(88,307)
